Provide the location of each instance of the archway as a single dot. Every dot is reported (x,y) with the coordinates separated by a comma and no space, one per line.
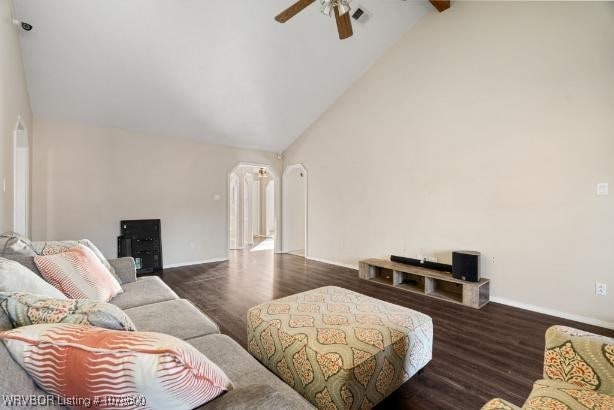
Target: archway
(21,179)
(295,210)
(249,218)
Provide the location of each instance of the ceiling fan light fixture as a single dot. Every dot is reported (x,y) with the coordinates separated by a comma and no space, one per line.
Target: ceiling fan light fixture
(343,8)
(327,8)
(329,5)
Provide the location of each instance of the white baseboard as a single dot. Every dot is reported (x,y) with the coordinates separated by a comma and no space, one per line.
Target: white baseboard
(178,265)
(552,312)
(343,265)
(508,302)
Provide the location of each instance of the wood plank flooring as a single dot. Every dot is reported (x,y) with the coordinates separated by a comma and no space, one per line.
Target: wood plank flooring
(477,355)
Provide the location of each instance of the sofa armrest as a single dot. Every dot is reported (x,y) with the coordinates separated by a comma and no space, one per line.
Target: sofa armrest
(125,269)
(580,358)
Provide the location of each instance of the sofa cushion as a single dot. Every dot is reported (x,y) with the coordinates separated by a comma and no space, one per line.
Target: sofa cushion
(145,291)
(252,397)
(177,318)
(552,394)
(243,369)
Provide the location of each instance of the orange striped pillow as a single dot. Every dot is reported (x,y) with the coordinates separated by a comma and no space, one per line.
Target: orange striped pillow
(79,274)
(91,365)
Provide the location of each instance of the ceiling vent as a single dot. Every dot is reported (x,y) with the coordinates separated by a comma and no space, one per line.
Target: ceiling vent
(361,15)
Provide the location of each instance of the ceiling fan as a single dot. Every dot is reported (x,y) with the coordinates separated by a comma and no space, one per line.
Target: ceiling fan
(341,9)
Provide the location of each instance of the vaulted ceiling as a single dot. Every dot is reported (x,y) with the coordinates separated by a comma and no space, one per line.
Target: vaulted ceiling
(223,71)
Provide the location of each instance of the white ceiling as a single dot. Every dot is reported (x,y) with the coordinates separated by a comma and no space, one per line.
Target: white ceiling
(218,70)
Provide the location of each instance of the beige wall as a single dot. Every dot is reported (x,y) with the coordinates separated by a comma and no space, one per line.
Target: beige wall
(14,102)
(486,127)
(86,179)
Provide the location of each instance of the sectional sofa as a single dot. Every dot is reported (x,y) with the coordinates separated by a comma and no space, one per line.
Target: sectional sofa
(154,307)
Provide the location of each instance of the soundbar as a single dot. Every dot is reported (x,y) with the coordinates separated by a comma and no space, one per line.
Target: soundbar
(423,264)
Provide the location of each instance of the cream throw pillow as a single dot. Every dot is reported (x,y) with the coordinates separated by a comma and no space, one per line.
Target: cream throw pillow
(14,277)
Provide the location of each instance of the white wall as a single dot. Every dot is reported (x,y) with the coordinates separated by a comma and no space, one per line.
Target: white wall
(486,127)
(86,179)
(270,208)
(294,209)
(14,102)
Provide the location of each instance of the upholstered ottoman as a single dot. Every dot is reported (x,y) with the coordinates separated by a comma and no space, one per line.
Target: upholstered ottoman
(338,348)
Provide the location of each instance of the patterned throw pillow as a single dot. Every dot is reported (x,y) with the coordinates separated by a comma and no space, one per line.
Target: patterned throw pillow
(25,309)
(54,247)
(79,274)
(14,277)
(155,370)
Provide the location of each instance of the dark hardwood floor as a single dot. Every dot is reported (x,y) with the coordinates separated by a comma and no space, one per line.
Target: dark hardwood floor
(477,355)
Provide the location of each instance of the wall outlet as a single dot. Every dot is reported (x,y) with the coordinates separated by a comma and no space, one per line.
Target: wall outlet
(601,289)
(602,189)
(432,259)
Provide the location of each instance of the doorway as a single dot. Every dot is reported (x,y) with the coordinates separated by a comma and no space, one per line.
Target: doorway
(252,207)
(21,179)
(295,210)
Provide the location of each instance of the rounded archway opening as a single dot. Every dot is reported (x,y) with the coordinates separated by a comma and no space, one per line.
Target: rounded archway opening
(295,210)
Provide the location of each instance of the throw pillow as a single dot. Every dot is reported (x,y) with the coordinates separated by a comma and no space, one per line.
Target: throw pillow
(79,274)
(14,277)
(25,309)
(53,247)
(14,244)
(157,370)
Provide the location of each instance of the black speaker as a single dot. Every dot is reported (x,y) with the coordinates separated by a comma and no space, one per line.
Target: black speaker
(466,265)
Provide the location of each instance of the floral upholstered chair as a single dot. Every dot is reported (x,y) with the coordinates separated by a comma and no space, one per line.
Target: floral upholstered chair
(578,374)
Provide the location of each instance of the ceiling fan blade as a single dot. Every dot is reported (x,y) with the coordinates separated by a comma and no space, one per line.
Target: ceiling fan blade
(293,10)
(344,24)
(441,5)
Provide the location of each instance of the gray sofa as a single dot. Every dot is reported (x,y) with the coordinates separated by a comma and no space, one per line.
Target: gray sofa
(154,307)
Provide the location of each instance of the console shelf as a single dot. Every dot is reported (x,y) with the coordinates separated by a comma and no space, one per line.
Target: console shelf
(429,282)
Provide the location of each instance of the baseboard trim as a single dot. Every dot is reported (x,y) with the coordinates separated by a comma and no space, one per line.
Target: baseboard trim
(553,312)
(343,265)
(178,265)
(508,302)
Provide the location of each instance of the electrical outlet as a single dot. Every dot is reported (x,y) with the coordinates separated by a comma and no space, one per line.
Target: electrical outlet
(432,259)
(602,189)
(601,289)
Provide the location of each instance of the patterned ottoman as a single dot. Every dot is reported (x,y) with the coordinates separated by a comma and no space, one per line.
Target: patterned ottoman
(338,348)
